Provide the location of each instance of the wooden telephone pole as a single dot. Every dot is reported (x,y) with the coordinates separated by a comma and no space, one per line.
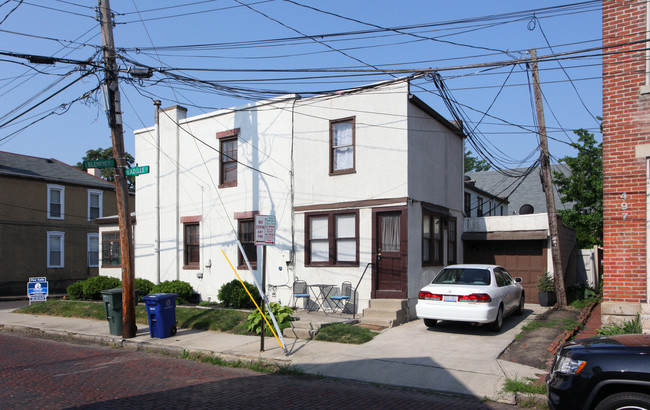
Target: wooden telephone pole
(547,181)
(115,122)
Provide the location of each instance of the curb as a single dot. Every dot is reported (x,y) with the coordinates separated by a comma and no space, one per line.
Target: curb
(568,334)
(142,346)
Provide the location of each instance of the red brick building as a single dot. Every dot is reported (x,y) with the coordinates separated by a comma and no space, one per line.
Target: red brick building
(626,160)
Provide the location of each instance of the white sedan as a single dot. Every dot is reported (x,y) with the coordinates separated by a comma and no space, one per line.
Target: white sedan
(471,293)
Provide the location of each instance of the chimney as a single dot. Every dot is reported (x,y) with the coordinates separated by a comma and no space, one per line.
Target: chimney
(96,172)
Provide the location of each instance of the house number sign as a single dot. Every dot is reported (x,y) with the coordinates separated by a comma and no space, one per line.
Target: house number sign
(624,205)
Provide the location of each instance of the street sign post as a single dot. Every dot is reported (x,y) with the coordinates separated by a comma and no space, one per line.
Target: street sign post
(138,170)
(100,163)
(37,289)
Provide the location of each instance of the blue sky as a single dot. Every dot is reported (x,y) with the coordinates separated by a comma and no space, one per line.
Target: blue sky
(358,39)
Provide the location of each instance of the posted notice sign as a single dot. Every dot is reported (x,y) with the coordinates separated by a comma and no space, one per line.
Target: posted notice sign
(37,289)
(264,230)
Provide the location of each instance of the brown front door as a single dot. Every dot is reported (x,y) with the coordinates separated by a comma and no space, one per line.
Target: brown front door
(390,254)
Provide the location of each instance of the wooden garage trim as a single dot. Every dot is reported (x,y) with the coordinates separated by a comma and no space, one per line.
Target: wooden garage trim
(505,235)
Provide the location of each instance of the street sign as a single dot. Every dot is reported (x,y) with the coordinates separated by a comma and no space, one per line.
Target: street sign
(138,170)
(264,230)
(100,163)
(37,289)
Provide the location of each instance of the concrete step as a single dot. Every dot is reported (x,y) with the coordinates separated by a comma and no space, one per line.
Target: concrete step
(376,322)
(299,333)
(395,304)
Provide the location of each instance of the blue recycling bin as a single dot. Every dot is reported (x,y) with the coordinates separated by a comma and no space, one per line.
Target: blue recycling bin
(161,310)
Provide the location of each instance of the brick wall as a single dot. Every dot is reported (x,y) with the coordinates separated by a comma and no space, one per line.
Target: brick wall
(625,125)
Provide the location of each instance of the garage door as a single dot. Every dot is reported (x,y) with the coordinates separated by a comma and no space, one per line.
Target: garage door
(526,259)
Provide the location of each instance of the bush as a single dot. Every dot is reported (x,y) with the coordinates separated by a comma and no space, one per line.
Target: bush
(282,316)
(232,294)
(182,289)
(628,327)
(145,286)
(92,287)
(75,291)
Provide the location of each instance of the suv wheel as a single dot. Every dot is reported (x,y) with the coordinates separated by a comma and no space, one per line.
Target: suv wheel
(628,400)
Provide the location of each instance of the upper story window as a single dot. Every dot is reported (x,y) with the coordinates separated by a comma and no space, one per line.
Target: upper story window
(55,201)
(228,157)
(55,249)
(468,204)
(332,239)
(95,202)
(479,207)
(342,143)
(432,243)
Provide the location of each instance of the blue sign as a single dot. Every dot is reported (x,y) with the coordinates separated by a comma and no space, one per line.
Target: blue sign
(37,289)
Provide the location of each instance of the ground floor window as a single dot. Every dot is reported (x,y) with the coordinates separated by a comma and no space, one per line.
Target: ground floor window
(191,238)
(55,249)
(332,238)
(111,253)
(93,250)
(246,234)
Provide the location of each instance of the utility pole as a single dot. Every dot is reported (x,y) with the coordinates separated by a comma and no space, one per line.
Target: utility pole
(547,182)
(115,122)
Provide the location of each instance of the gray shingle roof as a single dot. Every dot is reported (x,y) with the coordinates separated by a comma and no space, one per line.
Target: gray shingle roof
(50,170)
(529,191)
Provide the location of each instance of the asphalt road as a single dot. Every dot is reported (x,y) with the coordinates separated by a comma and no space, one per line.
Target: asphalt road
(45,374)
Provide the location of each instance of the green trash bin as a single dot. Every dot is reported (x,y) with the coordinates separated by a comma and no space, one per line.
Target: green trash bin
(113,305)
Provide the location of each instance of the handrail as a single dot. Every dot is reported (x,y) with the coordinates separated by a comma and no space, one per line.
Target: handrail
(354,299)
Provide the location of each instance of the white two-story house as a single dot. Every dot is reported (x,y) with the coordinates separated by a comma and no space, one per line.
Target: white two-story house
(365,185)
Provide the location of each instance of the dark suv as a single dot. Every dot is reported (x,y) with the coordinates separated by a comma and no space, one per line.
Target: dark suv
(607,372)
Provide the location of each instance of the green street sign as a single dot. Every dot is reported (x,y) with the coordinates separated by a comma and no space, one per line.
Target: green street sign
(100,163)
(138,170)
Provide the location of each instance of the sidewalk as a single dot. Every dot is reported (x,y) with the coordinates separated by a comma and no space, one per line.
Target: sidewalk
(457,359)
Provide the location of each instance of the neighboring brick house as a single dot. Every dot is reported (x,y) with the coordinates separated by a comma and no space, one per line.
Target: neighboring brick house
(47,228)
(626,161)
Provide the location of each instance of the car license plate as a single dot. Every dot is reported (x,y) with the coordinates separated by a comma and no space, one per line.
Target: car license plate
(449,298)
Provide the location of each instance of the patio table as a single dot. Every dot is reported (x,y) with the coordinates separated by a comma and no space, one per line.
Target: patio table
(321,292)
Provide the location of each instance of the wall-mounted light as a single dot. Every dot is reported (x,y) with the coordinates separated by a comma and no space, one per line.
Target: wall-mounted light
(199,275)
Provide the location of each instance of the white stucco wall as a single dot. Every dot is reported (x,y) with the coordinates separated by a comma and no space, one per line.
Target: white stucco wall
(189,176)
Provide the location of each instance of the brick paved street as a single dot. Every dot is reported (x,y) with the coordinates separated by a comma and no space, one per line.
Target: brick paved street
(36,373)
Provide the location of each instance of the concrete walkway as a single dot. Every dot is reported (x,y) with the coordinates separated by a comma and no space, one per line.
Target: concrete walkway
(452,358)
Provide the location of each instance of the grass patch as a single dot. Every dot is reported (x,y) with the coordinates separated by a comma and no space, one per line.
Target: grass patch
(345,333)
(258,366)
(531,386)
(221,320)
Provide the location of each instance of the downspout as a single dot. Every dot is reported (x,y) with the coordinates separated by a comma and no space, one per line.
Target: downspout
(157,184)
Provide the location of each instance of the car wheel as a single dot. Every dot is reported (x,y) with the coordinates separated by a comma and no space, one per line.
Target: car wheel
(624,400)
(498,323)
(520,309)
(430,322)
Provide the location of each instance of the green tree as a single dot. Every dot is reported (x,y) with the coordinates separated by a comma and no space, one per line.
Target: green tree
(584,187)
(473,164)
(108,173)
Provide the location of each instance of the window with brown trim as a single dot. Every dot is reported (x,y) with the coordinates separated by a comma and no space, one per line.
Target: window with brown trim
(191,250)
(111,253)
(342,143)
(332,238)
(246,234)
(228,162)
(451,242)
(432,241)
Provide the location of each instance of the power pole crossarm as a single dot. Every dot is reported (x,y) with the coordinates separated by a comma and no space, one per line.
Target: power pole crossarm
(121,188)
(547,181)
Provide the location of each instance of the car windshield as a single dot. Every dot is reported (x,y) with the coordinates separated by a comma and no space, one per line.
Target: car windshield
(463,276)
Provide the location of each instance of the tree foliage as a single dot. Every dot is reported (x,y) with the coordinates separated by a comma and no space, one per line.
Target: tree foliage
(474,164)
(584,187)
(108,173)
